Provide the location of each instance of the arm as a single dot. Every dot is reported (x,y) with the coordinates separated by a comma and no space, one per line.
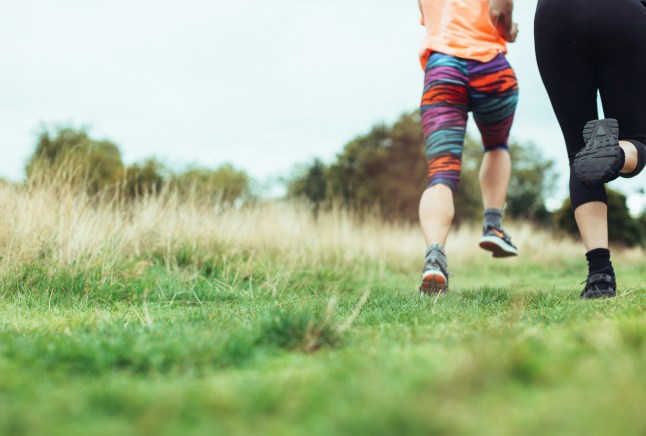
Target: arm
(423,51)
(501,12)
(421,11)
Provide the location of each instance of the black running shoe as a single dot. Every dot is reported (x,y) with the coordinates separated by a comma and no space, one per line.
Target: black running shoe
(599,285)
(602,158)
(498,242)
(435,277)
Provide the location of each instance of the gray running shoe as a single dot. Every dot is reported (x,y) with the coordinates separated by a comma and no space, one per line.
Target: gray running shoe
(435,277)
(602,158)
(498,242)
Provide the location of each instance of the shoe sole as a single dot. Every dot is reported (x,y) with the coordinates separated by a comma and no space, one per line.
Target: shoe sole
(434,282)
(498,247)
(594,164)
(596,295)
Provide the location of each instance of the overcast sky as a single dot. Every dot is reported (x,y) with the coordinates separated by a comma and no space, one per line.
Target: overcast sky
(263,84)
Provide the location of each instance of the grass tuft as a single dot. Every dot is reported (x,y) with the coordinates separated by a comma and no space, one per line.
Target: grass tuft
(299,330)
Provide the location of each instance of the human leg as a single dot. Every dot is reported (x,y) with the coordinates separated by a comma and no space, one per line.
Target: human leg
(622,68)
(570,77)
(436,212)
(495,174)
(444,112)
(494,97)
(592,220)
(620,60)
(635,162)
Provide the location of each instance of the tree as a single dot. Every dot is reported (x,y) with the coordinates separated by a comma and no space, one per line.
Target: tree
(71,155)
(641,224)
(622,228)
(225,185)
(146,178)
(533,180)
(468,200)
(382,171)
(310,183)
(385,170)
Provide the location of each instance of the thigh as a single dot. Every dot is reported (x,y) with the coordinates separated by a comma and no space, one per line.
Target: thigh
(445,105)
(493,93)
(444,111)
(566,63)
(622,69)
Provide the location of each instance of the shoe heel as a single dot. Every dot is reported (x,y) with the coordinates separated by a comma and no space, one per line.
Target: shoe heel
(434,283)
(596,163)
(610,124)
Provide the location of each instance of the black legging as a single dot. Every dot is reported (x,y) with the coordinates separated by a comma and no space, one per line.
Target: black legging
(585,46)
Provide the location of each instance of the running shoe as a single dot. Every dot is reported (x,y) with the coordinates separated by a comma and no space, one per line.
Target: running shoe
(602,158)
(599,285)
(435,278)
(498,242)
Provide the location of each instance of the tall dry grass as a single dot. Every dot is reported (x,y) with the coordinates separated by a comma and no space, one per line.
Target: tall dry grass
(55,223)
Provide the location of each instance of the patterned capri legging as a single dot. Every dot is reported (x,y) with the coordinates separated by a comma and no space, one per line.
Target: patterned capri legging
(453,87)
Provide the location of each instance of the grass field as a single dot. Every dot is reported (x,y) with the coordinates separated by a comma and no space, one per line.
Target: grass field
(168,317)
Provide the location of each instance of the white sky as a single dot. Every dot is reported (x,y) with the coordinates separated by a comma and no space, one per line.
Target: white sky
(263,84)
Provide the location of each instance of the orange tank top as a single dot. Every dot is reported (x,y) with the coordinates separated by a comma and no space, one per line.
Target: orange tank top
(460,28)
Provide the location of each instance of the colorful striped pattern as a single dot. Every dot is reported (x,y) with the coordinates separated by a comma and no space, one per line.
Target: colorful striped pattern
(453,87)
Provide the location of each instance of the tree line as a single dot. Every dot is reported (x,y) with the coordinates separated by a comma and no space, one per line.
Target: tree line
(381,172)
(96,166)
(384,171)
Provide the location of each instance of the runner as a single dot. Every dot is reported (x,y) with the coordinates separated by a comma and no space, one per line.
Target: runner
(584,47)
(465,71)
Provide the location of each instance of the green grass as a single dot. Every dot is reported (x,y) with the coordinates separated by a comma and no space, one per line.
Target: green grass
(204,343)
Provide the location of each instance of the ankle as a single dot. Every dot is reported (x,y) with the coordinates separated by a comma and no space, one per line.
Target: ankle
(435,247)
(599,261)
(435,253)
(630,157)
(492,218)
(635,153)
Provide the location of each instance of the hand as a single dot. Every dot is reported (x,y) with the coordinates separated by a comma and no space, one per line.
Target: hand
(423,50)
(513,33)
